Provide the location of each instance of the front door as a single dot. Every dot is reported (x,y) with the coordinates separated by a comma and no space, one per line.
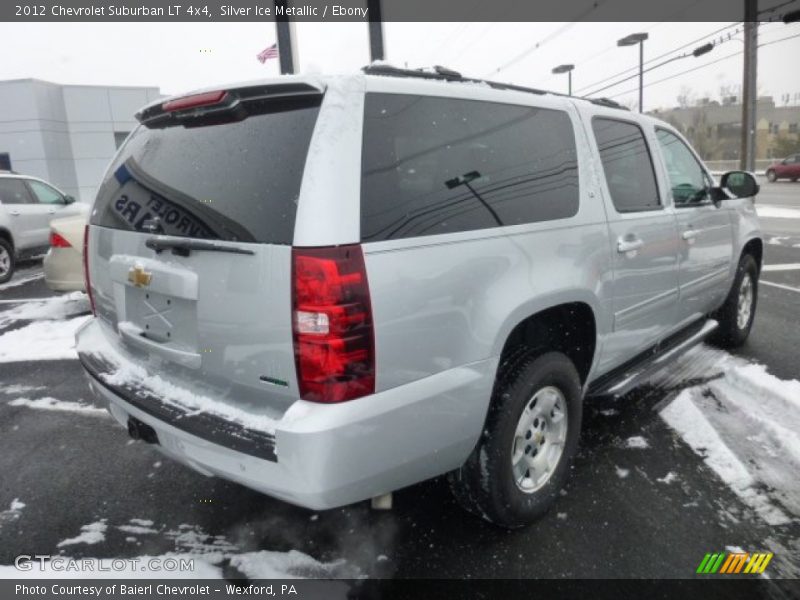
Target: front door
(705,236)
(49,204)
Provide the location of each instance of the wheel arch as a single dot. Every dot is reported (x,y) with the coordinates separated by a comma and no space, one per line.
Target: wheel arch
(569,327)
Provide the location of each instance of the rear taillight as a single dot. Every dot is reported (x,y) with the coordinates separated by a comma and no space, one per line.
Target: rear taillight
(58,241)
(86,280)
(332,322)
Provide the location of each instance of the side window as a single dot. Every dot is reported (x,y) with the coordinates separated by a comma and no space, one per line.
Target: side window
(435,165)
(627,165)
(687,179)
(13,191)
(45,194)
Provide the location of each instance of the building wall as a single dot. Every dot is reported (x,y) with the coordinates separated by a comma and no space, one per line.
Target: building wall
(715,130)
(66,134)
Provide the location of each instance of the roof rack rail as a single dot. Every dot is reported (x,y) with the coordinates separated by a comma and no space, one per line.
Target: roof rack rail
(444,74)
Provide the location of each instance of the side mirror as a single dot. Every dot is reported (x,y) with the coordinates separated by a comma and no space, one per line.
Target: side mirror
(69,199)
(739,184)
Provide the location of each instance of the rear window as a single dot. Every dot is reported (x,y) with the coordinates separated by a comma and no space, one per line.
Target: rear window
(236,181)
(441,165)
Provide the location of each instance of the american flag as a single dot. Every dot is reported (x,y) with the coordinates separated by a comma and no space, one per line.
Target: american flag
(267,53)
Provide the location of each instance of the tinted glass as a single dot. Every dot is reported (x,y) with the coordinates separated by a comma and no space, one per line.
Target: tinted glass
(686,177)
(13,191)
(440,165)
(45,194)
(235,181)
(627,165)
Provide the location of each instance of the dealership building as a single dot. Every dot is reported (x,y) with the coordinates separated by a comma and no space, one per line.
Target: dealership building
(66,134)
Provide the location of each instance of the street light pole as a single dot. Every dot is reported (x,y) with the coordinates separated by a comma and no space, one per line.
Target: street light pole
(632,40)
(568,70)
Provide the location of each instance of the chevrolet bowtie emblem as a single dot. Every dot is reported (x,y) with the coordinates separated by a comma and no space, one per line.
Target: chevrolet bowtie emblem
(139,277)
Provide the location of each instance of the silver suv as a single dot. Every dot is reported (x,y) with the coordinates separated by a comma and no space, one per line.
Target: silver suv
(27,205)
(327,289)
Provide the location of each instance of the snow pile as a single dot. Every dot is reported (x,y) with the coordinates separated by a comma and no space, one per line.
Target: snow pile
(55,307)
(49,403)
(90,534)
(746,426)
(41,340)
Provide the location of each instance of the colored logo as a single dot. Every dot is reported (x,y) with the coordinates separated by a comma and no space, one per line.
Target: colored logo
(734,562)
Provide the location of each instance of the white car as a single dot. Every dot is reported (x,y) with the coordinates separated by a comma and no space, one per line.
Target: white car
(63,263)
(27,205)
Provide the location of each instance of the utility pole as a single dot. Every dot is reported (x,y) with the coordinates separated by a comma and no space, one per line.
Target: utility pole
(747,160)
(376,47)
(286,34)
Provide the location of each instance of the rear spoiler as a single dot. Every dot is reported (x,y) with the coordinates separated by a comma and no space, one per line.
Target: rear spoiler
(222,104)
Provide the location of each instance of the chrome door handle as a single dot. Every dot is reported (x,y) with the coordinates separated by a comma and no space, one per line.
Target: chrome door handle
(689,234)
(14,213)
(52,211)
(624,246)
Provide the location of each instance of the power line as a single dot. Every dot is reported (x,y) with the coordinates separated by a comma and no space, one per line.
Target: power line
(536,46)
(702,66)
(655,58)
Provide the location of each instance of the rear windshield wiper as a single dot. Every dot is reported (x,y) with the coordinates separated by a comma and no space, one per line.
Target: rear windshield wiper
(184,247)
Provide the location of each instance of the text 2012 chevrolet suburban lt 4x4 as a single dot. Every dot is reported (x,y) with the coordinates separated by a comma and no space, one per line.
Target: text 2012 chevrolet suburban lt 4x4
(327,289)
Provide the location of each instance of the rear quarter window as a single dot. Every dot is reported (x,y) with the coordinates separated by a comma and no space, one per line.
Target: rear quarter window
(434,165)
(236,181)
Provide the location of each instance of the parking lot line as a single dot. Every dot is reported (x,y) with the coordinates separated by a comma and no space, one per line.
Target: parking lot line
(782,267)
(780,285)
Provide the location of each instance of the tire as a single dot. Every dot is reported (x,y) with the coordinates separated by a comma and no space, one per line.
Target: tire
(498,480)
(7,261)
(771,176)
(734,327)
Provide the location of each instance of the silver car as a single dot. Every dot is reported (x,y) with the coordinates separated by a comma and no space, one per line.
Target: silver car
(27,205)
(330,288)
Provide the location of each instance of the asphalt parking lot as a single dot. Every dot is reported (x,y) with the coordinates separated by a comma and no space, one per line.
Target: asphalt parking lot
(647,497)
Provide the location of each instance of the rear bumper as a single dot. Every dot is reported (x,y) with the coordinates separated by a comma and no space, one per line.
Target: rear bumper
(63,270)
(319,456)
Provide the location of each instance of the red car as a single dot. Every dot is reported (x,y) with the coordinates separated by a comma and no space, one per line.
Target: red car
(788,168)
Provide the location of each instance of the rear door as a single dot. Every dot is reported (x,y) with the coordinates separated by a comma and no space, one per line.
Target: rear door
(22,211)
(190,243)
(705,235)
(642,233)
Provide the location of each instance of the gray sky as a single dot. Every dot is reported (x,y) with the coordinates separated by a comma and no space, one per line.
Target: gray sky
(178,57)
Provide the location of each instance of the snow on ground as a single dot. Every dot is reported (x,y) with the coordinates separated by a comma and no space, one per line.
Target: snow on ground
(636,441)
(41,340)
(21,278)
(210,554)
(286,565)
(52,404)
(54,307)
(146,566)
(12,514)
(745,423)
(13,390)
(92,533)
(765,211)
